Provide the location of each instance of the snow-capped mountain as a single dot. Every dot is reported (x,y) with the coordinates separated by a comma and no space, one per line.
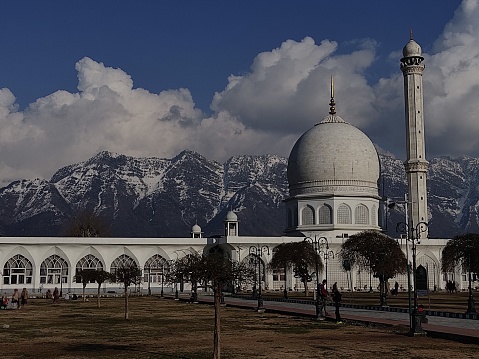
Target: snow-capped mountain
(153,197)
(143,197)
(453,194)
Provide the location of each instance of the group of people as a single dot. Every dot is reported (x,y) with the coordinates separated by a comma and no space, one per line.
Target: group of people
(451,286)
(55,296)
(18,300)
(335,297)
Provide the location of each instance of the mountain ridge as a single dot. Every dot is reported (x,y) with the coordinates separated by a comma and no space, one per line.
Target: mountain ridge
(158,197)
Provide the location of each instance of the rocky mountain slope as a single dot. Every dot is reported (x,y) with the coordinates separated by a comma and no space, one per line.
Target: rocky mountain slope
(153,197)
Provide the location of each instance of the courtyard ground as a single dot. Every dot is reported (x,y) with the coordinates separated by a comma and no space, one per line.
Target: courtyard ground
(163,328)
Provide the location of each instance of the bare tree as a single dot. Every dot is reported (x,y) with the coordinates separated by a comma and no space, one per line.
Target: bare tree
(217,270)
(87,224)
(463,250)
(100,276)
(301,257)
(377,252)
(86,276)
(127,275)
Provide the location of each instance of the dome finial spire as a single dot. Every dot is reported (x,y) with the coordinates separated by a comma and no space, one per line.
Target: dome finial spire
(410,34)
(332,110)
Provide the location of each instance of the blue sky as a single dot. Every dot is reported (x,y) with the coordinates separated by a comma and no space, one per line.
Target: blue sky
(140,78)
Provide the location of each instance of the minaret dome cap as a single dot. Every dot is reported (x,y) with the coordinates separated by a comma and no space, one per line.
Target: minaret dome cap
(412,49)
(231,216)
(196,229)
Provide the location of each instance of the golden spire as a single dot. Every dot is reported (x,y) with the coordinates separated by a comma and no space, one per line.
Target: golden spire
(332,110)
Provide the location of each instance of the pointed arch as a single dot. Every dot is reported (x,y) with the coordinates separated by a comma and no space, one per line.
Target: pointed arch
(18,270)
(344,214)
(307,215)
(361,214)
(120,261)
(54,270)
(325,214)
(155,268)
(93,252)
(88,261)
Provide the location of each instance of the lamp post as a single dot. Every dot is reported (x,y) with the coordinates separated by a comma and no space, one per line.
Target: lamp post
(406,214)
(149,280)
(413,234)
(317,243)
(285,291)
(326,254)
(162,278)
(471,308)
(257,252)
(61,281)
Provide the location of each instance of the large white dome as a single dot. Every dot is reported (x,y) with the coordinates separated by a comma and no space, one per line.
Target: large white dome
(332,158)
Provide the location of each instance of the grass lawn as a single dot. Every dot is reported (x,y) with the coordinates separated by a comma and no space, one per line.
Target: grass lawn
(161,328)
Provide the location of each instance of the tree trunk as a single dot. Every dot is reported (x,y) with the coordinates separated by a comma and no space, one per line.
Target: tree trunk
(217,332)
(98,295)
(126,302)
(306,288)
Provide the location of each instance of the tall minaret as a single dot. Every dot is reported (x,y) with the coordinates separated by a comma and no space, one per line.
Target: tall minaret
(416,165)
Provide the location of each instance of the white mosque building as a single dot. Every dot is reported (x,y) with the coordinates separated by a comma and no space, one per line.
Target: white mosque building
(333,174)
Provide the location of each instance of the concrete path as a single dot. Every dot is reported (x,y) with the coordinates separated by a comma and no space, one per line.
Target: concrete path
(464,330)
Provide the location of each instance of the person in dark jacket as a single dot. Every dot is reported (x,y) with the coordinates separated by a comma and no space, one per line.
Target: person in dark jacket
(337,301)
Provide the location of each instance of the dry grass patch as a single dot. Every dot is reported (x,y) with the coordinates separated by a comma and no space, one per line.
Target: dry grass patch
(167,329)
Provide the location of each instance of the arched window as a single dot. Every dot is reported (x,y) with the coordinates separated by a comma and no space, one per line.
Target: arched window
(17,270)
(88,262)
(155,268)
(361,214)
(54,270)
(122,261)
(325,214)
(307,215)
(344,214)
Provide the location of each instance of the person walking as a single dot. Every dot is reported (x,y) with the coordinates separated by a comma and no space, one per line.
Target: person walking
(337,302)
(24,297)
(56,295)
(323,292)
(15,298)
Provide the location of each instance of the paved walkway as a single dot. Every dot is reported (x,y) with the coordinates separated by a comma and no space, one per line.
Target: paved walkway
(464,330)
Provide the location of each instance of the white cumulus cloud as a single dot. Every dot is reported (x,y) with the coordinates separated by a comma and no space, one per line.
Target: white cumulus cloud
(285,92)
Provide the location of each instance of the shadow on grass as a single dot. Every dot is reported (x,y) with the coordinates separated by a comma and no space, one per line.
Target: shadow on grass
(95,347)
(99,347)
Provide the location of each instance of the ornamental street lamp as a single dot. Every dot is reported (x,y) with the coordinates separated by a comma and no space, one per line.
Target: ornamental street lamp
(406,213)
(162,278)
(149,280)
(61,280)
(257,252)
(317,243)
(471,308)
(327,253)
(414,235)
